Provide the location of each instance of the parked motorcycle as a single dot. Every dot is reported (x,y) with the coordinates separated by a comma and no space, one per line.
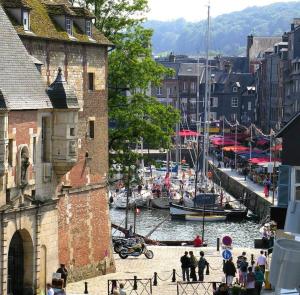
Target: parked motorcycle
(136,251)
(120,243)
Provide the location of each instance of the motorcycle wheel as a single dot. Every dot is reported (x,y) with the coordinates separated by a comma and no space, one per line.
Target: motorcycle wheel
(123,254)
(117,248)
(149,254)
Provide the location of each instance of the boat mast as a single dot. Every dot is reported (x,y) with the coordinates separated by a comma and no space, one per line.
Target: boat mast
(206,104)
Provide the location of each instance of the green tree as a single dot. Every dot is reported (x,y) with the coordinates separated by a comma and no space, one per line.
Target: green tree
(136,115)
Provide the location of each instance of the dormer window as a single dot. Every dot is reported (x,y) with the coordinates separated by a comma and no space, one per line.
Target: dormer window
(88,28)
(234,89)
(26,20)
(69,26)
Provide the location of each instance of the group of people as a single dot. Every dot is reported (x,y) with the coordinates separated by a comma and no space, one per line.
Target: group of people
(250,276)
(189,264)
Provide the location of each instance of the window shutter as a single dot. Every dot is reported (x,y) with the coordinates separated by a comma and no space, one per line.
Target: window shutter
(284,185)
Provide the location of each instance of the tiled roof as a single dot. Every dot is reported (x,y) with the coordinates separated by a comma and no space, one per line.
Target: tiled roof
(83,12)
(20,82)
(15,4)
(43,25)
(61,94)
(59,9)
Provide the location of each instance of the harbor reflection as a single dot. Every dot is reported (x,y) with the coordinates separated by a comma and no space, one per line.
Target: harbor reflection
(242,233)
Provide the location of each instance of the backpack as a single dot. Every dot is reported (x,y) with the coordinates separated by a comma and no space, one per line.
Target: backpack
(202,263)
(243,266)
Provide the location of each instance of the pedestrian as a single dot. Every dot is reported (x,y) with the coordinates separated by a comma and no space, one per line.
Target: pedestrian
(243,271)
(245,173)
(50,291)
(250,282)
(262,261)
(194,264)
(202,263)
(64,273)
(238,265)
(259,279)
(229,271)
(121,290)
(197,242)
(185,265)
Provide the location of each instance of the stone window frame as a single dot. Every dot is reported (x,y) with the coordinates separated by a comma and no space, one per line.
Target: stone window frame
(89,125)
(91,78)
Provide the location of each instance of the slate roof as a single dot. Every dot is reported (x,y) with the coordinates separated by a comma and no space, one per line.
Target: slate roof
(171,65)
(225,81)
(61,94)
(43,25)
(261,44)
(191,69)
(294,120)
(20,82)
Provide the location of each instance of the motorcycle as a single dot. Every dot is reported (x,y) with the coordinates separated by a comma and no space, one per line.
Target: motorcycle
(120,243)
(136,251)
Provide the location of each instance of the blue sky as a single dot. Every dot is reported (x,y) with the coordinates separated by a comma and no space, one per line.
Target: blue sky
(194,10)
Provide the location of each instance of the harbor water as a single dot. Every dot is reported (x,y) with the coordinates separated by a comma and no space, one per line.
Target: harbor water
(242,233)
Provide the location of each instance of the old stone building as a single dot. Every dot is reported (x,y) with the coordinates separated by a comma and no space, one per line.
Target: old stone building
(53,145)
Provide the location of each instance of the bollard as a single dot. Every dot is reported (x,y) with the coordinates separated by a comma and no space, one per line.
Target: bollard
(113,286)
(207,269)
(135,283)
(155,279)
(252,259)
(174,276)
(218,244)
(267,282)
(86,288)
(214,286)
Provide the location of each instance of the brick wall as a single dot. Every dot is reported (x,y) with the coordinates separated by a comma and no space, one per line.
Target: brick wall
(83,221)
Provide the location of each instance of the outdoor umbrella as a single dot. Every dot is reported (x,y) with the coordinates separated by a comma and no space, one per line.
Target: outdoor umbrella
(185,133)
(234,148)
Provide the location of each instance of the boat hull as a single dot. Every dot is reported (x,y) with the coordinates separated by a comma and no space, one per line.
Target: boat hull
(188,213)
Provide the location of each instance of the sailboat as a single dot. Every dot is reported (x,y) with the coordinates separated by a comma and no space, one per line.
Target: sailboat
(204,206)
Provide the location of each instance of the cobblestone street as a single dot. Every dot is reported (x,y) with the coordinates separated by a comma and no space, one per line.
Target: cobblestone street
(165,260)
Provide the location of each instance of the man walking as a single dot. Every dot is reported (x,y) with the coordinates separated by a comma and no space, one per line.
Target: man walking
(194,263)
(185,265)
(262,261)
(238,265)
(229,271)
(201,266)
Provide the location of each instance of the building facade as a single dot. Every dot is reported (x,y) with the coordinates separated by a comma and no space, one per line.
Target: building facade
(62,144)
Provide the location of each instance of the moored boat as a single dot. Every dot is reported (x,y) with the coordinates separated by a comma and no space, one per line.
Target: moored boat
(181,212)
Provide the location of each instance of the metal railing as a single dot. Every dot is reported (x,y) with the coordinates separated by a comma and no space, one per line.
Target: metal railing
(197,288)
(133,286)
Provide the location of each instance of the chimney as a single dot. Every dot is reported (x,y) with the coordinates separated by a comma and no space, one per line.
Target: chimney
(172,57)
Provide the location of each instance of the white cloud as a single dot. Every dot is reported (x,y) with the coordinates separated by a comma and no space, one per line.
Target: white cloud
(194,10)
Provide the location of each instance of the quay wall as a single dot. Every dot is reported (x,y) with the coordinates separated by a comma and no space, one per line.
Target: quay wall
(254,202)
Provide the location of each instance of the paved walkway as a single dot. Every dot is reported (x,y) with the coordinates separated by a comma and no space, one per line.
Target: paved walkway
(256,188)
(165,260)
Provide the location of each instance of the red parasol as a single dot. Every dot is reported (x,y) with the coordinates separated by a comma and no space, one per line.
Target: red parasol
(276,148)
(262,160)
(237,148)
(185,133)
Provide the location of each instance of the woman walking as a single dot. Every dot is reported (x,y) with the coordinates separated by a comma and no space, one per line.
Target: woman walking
(259,279)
